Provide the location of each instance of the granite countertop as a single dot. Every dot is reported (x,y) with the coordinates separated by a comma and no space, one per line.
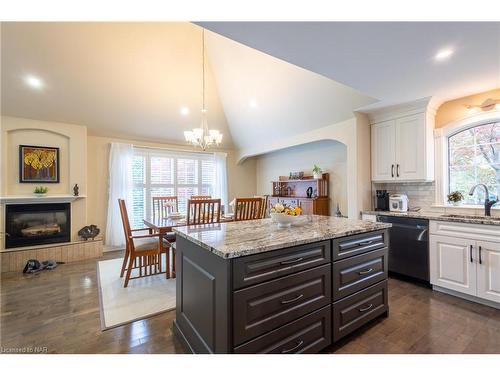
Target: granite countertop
(468,219)
(236,239)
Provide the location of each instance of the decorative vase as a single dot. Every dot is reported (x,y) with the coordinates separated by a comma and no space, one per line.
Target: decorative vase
(318,175)
(40,194)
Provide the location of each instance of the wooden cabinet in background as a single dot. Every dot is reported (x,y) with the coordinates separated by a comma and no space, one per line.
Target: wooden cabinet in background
(310,206)
(294,193)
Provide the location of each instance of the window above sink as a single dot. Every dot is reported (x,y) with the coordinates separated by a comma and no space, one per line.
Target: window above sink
(468,153)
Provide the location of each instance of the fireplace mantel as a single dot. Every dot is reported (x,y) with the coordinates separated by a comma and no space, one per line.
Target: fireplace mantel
(30,199)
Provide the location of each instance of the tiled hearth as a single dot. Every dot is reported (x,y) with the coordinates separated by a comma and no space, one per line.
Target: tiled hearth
(15,259)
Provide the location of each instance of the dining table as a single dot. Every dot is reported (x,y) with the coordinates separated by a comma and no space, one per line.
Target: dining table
(164,225)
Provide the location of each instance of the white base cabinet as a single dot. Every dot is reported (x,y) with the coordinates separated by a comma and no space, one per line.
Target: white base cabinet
(488,271)
(464,262)
(452,264)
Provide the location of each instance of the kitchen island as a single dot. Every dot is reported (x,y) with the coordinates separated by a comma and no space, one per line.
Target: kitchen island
(251,287)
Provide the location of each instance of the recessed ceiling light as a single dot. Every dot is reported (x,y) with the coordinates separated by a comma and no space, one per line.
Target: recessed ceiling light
(33,82)
(253,103)
(184,111)
(443,54)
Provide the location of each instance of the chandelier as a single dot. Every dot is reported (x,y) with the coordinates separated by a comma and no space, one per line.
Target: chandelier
(203,137)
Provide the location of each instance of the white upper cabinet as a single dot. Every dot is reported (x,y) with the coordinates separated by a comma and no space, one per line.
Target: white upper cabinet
(383,150)
(402,146)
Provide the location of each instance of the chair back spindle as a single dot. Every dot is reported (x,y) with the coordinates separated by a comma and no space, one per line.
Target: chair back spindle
(203,211)
(163,206)
(247,209)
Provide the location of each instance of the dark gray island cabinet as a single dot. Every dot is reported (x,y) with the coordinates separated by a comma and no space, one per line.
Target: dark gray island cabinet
(249,287)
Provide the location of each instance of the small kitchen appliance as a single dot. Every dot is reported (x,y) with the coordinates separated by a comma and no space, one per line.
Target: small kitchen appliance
(398,202)
(381,200)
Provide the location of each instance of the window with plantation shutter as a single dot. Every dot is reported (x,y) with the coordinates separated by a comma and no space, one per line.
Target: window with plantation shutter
(165,173)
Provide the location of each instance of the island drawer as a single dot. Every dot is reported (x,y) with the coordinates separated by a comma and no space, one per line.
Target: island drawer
(308,334)
(358,272)
(261,308)
(254,269)
(358,309)
(358,244)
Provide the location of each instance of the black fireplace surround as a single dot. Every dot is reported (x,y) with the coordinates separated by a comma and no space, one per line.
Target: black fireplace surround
(37,224)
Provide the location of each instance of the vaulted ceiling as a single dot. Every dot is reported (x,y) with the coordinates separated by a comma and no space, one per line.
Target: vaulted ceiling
(119,79)
(132,79)
(269,80)
(390,61)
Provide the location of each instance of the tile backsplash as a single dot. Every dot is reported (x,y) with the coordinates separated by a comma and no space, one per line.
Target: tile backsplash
(420,194)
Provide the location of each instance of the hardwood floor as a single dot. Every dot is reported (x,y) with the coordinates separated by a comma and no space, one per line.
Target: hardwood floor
(58,312)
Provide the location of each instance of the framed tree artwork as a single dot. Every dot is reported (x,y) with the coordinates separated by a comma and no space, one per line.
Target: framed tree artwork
(38,164)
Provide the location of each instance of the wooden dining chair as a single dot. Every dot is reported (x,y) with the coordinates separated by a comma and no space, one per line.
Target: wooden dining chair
(163,206)
(144,257)
(247,208)
(203,211)
(197,197)
(265,203)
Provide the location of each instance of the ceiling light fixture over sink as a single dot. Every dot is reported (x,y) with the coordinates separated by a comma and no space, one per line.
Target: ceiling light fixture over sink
(203,137)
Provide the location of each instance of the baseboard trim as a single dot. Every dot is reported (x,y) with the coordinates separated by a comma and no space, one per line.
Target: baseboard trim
(470,298)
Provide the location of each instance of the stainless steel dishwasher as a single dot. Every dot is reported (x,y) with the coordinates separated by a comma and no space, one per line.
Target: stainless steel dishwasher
(408,246)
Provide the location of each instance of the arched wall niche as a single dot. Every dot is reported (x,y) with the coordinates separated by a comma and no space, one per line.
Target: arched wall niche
(331,155)
(354,135)
(36,137)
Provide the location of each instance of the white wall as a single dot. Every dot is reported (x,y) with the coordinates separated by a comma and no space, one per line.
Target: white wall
(330,155)
(355,134)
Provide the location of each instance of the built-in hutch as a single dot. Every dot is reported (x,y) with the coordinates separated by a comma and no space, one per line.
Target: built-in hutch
(294,192)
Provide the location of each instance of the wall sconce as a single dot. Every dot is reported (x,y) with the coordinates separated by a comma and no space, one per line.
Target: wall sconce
(488,105)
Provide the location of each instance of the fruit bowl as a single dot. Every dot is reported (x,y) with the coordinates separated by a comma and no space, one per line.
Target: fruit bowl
(283,220)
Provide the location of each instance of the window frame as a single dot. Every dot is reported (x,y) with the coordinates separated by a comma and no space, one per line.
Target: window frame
(442,153)
(147,185)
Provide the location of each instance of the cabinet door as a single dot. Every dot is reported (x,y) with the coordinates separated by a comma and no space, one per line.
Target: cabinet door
(453,263)
(383,151)
(488,270)
(410,147)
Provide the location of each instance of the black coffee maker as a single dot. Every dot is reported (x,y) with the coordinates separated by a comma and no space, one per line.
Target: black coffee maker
(381,200)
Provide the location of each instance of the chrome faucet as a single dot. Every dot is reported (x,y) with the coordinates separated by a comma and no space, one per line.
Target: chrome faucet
(487,202)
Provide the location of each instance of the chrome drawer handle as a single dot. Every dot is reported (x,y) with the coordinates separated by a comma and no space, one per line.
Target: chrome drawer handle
(284,351)
(292,300)
(365,243)
(366,308)
(364,272)
(291,261)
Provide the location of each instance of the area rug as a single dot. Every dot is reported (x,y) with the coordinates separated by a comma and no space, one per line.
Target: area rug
(142,298)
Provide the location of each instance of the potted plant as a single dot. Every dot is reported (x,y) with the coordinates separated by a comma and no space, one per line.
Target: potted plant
(317,172)
(455,197)
(40,191)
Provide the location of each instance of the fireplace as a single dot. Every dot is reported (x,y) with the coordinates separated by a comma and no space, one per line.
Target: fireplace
(37,224)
